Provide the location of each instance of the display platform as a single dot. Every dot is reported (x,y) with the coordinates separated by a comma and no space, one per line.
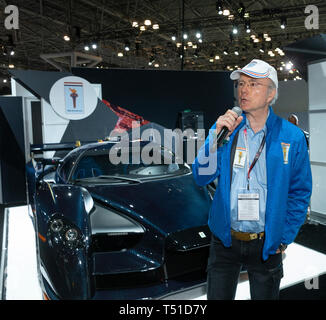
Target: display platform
(301,265)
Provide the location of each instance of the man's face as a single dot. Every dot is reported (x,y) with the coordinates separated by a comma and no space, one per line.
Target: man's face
(254,94)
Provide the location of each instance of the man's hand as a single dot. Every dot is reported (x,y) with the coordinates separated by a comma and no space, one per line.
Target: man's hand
(230,120)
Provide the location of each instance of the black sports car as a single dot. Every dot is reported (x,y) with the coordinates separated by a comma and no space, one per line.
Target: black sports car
(129,230)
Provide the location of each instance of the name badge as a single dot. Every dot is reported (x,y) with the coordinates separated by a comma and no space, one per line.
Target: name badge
(248,205)
(239,158)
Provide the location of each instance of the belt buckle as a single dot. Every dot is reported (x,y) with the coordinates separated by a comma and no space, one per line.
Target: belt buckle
(253,236)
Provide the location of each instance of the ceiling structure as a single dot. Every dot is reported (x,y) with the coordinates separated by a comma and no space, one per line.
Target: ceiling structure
(100,31)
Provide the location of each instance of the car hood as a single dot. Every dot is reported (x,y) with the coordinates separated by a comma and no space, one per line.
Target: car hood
(169,205)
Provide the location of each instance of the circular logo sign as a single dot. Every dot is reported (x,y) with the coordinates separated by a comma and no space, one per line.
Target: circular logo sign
(73,98)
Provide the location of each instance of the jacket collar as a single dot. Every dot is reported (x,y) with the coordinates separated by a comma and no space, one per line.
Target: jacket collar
(269,122)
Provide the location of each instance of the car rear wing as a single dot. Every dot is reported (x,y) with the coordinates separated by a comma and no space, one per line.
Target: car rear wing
(40,148)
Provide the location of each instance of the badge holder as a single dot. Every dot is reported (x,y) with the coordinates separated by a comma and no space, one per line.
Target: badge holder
(248,204)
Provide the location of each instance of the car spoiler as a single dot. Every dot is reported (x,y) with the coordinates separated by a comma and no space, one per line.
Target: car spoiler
(39,148)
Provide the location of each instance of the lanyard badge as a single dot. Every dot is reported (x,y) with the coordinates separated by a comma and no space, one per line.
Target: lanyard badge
(260,150)
(248,200)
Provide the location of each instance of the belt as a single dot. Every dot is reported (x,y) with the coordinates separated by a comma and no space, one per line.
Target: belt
(246,236)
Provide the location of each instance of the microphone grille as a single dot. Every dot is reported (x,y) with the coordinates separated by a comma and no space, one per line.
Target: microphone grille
(237,110)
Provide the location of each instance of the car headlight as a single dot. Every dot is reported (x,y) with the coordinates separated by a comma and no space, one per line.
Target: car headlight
(63,233)
(56,225)
(71,235)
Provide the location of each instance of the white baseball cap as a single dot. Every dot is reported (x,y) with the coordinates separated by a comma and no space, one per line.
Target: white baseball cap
(257,69)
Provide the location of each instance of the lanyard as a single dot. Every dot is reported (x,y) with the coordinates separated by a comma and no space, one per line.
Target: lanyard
(260,150)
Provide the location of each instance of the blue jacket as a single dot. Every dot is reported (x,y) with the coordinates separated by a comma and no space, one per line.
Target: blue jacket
(289,183)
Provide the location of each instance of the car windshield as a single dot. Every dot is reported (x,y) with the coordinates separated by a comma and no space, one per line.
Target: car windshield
(134,165)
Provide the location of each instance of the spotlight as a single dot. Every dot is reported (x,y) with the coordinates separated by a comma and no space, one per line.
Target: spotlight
(66,37)
(247,27)
(236,52)
(219,7)
(225,52)
(235,30)
(127,46)
(135,24)
(94,46)
(185,36)
(4,80)
(174,38)
(283,23)
(198,35)
(86,48)
(12,52)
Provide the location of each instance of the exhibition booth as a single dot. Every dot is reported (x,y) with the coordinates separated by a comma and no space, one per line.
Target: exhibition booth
(52,113)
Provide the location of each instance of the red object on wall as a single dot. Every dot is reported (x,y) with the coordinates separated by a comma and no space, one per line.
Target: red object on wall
(127,120)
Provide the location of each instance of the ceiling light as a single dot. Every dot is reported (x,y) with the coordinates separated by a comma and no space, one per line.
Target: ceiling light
(185,36)
(147,22)
(226,12)
(12,52)
(156,26)
(174,38)
(86,48)
(198,35)
(135,24)
(283,23)
(94,46)
(66,37)
(256,40)
(211,60)
(236,53)
(247,27)
(200,40)
(156,65)
(120,54)
(261,50)
(217,57)
(11,66)
(235,30)
(219,7)
(189,44)
(142,28)
(4,80)
(127,46)
(225,52)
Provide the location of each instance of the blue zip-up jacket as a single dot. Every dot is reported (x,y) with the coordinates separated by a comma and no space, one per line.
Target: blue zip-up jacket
(289,183)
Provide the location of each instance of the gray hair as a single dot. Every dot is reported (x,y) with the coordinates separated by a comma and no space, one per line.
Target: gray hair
(272,86)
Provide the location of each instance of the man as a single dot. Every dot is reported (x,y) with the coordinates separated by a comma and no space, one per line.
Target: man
(294,119)
(263,191)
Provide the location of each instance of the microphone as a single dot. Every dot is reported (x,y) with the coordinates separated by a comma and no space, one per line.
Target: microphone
(218,140)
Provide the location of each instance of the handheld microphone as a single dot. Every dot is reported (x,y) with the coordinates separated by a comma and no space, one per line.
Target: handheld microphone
(224,131)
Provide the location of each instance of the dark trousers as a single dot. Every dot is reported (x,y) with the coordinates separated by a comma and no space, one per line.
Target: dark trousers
(225,264)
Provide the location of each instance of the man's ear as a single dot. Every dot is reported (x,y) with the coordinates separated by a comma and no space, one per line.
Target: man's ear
(271,95)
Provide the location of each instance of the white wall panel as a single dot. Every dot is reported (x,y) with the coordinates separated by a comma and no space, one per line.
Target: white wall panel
(317,86)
